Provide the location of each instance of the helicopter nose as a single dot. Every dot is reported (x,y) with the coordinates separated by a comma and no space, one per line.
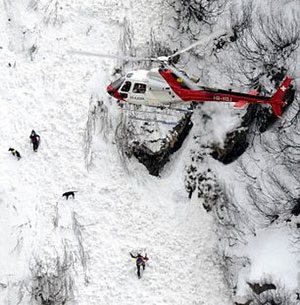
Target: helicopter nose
(110,90)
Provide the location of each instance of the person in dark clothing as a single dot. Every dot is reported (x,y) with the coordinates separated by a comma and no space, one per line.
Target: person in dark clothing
(35,140)
(140,262)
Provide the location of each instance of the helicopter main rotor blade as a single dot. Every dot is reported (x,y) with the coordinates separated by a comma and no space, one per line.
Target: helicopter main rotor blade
(123,57)
(203,41)
(162,59)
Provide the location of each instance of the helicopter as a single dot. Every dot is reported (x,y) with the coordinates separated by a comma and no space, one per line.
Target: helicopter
(166,86)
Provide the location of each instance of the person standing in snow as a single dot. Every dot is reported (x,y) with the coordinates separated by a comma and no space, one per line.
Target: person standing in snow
(140,262)
(35,140)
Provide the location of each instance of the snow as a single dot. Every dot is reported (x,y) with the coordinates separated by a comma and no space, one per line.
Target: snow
(274,259)
(115,210)
(272,249)
(118,207)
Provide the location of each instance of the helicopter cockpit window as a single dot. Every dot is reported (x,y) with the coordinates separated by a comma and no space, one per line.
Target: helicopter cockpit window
(139,88)
(117,84)
(126,87)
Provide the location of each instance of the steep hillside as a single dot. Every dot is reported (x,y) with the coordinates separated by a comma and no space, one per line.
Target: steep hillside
(76,251)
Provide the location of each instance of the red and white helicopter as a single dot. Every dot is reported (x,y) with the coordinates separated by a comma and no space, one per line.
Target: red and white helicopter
(165,86)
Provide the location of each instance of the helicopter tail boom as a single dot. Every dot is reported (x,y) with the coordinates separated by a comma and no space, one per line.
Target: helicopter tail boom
(219,95)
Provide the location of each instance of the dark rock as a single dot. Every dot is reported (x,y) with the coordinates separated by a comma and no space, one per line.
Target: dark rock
(296,209)
(250,115)
(258,289)
(155,161)
(277,75)
(235,145)
(265,118)
(274,218)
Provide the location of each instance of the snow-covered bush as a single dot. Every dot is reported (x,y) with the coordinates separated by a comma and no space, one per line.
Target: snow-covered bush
(78,232)
(232,265)
(191,13)
(288,140)
(158,48)
(201,180)
(271,296)
(273,201)
(97,123)
(266,46)
(232,222)
(262,50)
(52,283)
(51,10)
(273,195)
(241,21)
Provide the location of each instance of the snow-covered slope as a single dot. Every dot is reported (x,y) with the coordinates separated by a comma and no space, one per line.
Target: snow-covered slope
(115,211)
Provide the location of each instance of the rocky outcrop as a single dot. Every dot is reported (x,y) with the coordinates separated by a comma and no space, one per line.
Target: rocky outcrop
(296,209)
(258,289)
(156,160)
(236,143)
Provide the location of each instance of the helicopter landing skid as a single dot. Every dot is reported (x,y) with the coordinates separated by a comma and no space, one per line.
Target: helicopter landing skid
(153,121)
(172,109)
(147,112)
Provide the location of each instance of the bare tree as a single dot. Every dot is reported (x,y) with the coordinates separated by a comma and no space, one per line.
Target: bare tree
(125,134)
(232,222)
(78,231)
(231,266)
(51,10)
(289,147)
(241,19)
(52,283)
(191,13)
(266,45)
(97,123)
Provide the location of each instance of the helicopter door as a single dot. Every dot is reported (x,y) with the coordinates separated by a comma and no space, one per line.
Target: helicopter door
(138,92)
(125,89)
